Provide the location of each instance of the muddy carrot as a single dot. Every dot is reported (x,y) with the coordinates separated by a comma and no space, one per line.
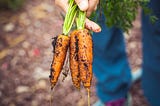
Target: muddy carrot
(85,52)
(74,65)
(61,47)
(85,57)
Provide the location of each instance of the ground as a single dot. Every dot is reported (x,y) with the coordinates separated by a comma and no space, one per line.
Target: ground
(26,55)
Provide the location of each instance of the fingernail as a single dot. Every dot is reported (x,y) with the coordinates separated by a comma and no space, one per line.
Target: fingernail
(98,30)
(83,5)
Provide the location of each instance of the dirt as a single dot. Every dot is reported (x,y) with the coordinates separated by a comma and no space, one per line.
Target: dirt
(26,54)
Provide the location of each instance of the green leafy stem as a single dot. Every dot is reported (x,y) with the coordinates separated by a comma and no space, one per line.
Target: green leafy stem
(69,18)
(80,21)
(72,13)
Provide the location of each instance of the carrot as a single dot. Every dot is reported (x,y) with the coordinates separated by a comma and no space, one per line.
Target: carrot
(85,56)
(74,66)
(85,52)
(60,50)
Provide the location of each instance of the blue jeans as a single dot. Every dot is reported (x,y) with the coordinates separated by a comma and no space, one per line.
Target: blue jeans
(151,56)
(110,65)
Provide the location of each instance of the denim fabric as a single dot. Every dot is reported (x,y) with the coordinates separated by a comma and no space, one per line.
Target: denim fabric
(151,55)
(110,64)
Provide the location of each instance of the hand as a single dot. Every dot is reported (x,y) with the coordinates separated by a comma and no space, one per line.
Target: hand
(85,5)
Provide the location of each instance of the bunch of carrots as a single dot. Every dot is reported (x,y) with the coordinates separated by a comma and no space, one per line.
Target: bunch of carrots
(80,47)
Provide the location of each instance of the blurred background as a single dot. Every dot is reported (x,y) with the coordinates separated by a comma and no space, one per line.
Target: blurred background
(26,31)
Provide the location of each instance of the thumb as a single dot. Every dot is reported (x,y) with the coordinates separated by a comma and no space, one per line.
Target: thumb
(82,4)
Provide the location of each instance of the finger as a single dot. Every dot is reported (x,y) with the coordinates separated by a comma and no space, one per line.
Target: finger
(92,25)
(82,4)
(92,6)
(62,4)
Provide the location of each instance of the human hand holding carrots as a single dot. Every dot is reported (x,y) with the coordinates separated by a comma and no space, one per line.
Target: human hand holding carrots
(85,5)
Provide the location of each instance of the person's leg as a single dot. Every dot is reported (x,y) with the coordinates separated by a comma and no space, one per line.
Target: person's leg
(151,56)
(110,65)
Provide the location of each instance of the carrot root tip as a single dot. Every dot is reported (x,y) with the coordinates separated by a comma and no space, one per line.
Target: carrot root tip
(52,86)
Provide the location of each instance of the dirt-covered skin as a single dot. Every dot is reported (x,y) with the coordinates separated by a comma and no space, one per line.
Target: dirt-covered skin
(85,55)
(74,64)
(60,51)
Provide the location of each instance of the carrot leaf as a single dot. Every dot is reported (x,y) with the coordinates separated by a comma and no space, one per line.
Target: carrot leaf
(70,16)
(80,21)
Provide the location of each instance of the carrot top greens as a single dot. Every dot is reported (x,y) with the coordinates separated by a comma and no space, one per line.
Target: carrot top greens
(70,16)
(80,21)
(72,13)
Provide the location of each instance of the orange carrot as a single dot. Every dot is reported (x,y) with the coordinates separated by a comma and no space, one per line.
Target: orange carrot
(60,51)
(74,67)
(85,55)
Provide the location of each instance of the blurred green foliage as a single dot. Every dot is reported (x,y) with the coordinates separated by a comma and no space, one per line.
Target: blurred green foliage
(122,13)
(11,4)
